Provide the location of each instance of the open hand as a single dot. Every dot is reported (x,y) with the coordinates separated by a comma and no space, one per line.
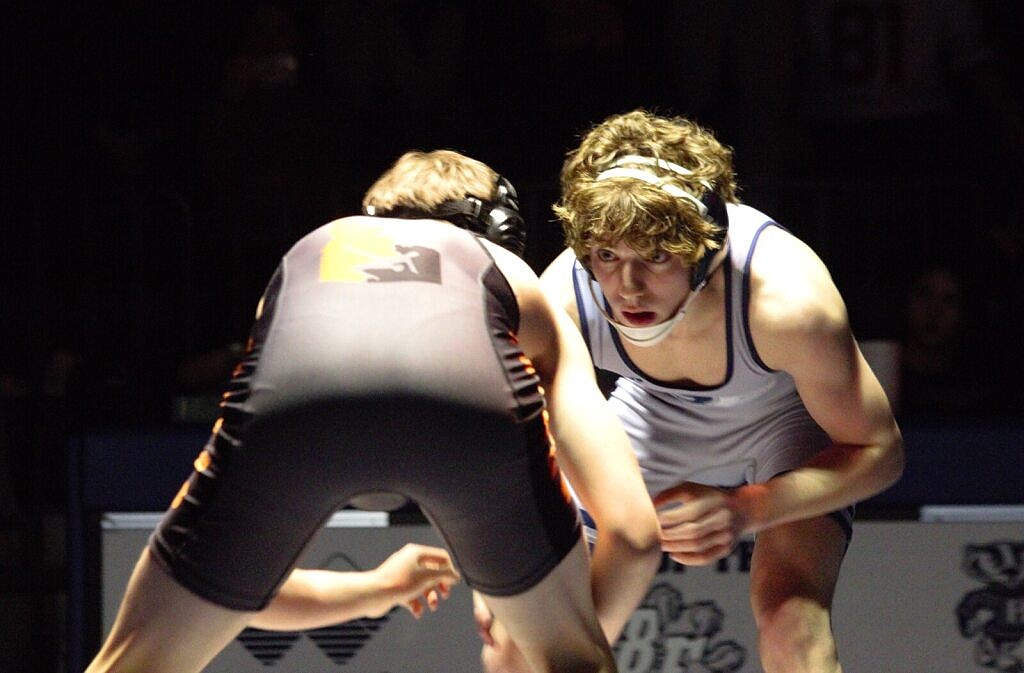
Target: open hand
(418,577)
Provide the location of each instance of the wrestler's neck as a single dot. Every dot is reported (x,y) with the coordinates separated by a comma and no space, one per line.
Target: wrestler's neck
(694,352)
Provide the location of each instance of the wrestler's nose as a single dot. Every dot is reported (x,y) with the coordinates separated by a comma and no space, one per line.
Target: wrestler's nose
(631,284)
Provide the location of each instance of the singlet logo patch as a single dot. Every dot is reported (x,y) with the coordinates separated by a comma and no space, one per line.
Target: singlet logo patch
(365,254)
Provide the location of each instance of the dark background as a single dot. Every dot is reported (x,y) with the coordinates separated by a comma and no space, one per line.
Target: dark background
(159,157)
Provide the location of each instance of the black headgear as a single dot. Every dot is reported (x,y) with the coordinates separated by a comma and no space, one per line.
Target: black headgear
(498,220)
(719,217)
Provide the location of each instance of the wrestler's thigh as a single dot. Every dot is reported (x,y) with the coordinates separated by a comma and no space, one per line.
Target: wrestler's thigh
(151,636)
(796,560)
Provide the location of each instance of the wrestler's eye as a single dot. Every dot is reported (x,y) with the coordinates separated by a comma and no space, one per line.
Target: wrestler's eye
(604,255)
(659,257)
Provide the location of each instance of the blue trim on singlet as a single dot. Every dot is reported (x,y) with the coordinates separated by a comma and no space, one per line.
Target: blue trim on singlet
(583,319)
(746,296)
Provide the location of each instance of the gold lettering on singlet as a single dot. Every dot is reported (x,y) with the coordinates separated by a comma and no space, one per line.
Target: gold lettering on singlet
(351,250)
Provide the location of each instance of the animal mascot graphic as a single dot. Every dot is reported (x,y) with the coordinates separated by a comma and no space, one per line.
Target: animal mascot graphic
(993,616)
(668,635)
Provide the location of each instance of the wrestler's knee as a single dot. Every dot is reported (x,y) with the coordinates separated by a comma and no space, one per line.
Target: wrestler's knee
(795,636)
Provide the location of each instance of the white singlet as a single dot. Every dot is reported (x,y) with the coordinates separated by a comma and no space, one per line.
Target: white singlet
(748,429)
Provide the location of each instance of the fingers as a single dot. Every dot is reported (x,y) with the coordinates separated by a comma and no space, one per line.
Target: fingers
(709,524)
(680,494)
(440,578)
(438,560)
(433,573)
(673,509)
(698,527)
(677,516)
(700,543)
(703,545)
(701,558)
(433,558)
(415,606)
(430,600)
(424,574)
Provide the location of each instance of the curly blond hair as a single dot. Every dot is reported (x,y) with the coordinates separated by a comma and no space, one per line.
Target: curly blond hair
(646,214)
(423,180)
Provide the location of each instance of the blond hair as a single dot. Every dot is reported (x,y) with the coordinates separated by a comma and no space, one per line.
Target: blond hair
(421,181)
(647,214)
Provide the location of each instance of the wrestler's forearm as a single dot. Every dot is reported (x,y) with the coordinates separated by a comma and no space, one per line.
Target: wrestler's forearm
(621,574)
(608,483)
(627,552)
(312,599)
(837,477)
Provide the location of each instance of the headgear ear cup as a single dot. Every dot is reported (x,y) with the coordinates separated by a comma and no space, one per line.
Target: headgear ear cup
(718,216)
(504,224)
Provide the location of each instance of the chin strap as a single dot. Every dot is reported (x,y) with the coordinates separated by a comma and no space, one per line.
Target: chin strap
(651,334)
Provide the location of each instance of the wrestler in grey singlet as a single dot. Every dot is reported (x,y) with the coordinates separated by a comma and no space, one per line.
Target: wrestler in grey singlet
(383,358)
(749,429)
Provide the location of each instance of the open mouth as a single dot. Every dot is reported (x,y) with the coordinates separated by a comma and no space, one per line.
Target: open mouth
(639,318)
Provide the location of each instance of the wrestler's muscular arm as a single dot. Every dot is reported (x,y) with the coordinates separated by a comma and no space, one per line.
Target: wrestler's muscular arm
(593,451)
(799,325)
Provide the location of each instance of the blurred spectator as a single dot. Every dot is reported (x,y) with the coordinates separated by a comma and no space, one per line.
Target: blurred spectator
(906,114)
(943,373)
